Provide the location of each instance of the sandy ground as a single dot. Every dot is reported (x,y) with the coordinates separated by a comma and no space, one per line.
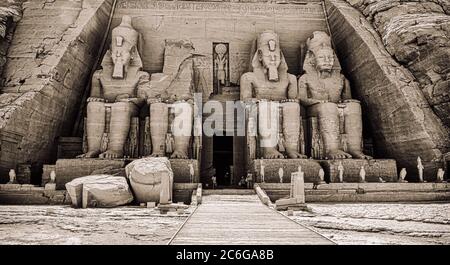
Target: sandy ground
(66,225)
(379,223)
(343,223)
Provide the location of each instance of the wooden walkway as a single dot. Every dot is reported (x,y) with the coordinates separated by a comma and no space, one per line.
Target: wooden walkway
(242,219)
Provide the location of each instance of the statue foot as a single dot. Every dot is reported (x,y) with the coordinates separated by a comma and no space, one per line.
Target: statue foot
(157,155)
(179,155)
(109,154)
(360,155)
(272,154)
(293,154)
(90,154)
(338,154)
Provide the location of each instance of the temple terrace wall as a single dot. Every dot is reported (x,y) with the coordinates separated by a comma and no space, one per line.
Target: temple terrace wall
(403,123)
(48,65)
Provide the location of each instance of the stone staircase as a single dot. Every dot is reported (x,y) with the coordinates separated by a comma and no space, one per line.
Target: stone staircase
(228,192)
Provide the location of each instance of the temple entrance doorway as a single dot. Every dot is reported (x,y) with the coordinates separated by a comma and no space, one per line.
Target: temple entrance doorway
(223,160)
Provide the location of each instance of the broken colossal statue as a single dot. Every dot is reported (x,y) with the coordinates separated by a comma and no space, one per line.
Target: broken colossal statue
(114,94)
(325,93)
(270,86)
(170,97)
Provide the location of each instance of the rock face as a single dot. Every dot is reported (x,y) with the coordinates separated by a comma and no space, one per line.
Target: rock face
(10,14)
(416,33)
(99,191)
(402,122)
(147,176)
(48,64)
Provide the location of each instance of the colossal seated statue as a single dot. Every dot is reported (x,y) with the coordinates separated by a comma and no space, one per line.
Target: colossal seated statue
(270,85)
(326,94)
(114,94)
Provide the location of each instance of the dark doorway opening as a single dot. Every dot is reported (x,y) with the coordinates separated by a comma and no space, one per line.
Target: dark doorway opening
(223,159)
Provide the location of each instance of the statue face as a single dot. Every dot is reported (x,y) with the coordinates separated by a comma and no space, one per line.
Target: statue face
(121,58)
(324,59)
(270,57)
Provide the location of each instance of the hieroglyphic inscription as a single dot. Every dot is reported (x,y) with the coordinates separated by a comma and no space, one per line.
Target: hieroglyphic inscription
(241,9)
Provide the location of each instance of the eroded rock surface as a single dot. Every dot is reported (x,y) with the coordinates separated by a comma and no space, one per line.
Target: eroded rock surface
(416,33)
(380,223)
(63,225)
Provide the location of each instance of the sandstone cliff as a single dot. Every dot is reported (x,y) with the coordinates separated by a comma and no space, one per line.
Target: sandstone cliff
(417,34)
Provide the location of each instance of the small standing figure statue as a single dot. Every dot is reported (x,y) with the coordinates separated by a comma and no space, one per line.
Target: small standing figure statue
(12,177)
(402,176)
(362,175)
(214,181)
(299,169)
(52,177)
(280,174)
(341,172)
(440,175)
(420,168)
(320,179)
(262,171)
(191,172)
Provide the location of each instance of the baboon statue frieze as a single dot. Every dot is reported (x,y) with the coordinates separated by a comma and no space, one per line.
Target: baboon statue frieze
(325,92)
(114,94)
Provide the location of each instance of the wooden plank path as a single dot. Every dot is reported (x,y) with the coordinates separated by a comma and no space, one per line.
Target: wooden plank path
(242,219)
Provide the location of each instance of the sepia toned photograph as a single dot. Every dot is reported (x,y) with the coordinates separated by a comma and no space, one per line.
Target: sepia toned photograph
(224,123)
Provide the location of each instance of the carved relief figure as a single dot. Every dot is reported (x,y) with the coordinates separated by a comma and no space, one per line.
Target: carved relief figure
(115,87)
(325,92)
(269,84)
(221,65)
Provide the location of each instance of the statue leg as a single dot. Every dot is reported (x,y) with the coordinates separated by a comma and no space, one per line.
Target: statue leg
(95,127)
(291,129)
(119,127)
(159,124)
(353,129)
(182,129)
(268,114)
(328,119)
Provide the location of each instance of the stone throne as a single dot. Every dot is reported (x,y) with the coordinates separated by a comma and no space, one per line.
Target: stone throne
(274,128)
(334,118)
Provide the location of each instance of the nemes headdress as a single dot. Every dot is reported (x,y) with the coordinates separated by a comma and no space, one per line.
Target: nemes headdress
(319,40)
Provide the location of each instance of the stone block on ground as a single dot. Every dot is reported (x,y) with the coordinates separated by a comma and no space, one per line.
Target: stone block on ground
(271,167)
(50,186)
(146,177)
(68,169)
(99,191)
(180,169)
(290,204)
(375,168)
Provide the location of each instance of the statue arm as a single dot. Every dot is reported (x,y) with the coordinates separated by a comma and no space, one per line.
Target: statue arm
(96,88)
(292,88)
(139,95)
(346,91)
(303,93)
